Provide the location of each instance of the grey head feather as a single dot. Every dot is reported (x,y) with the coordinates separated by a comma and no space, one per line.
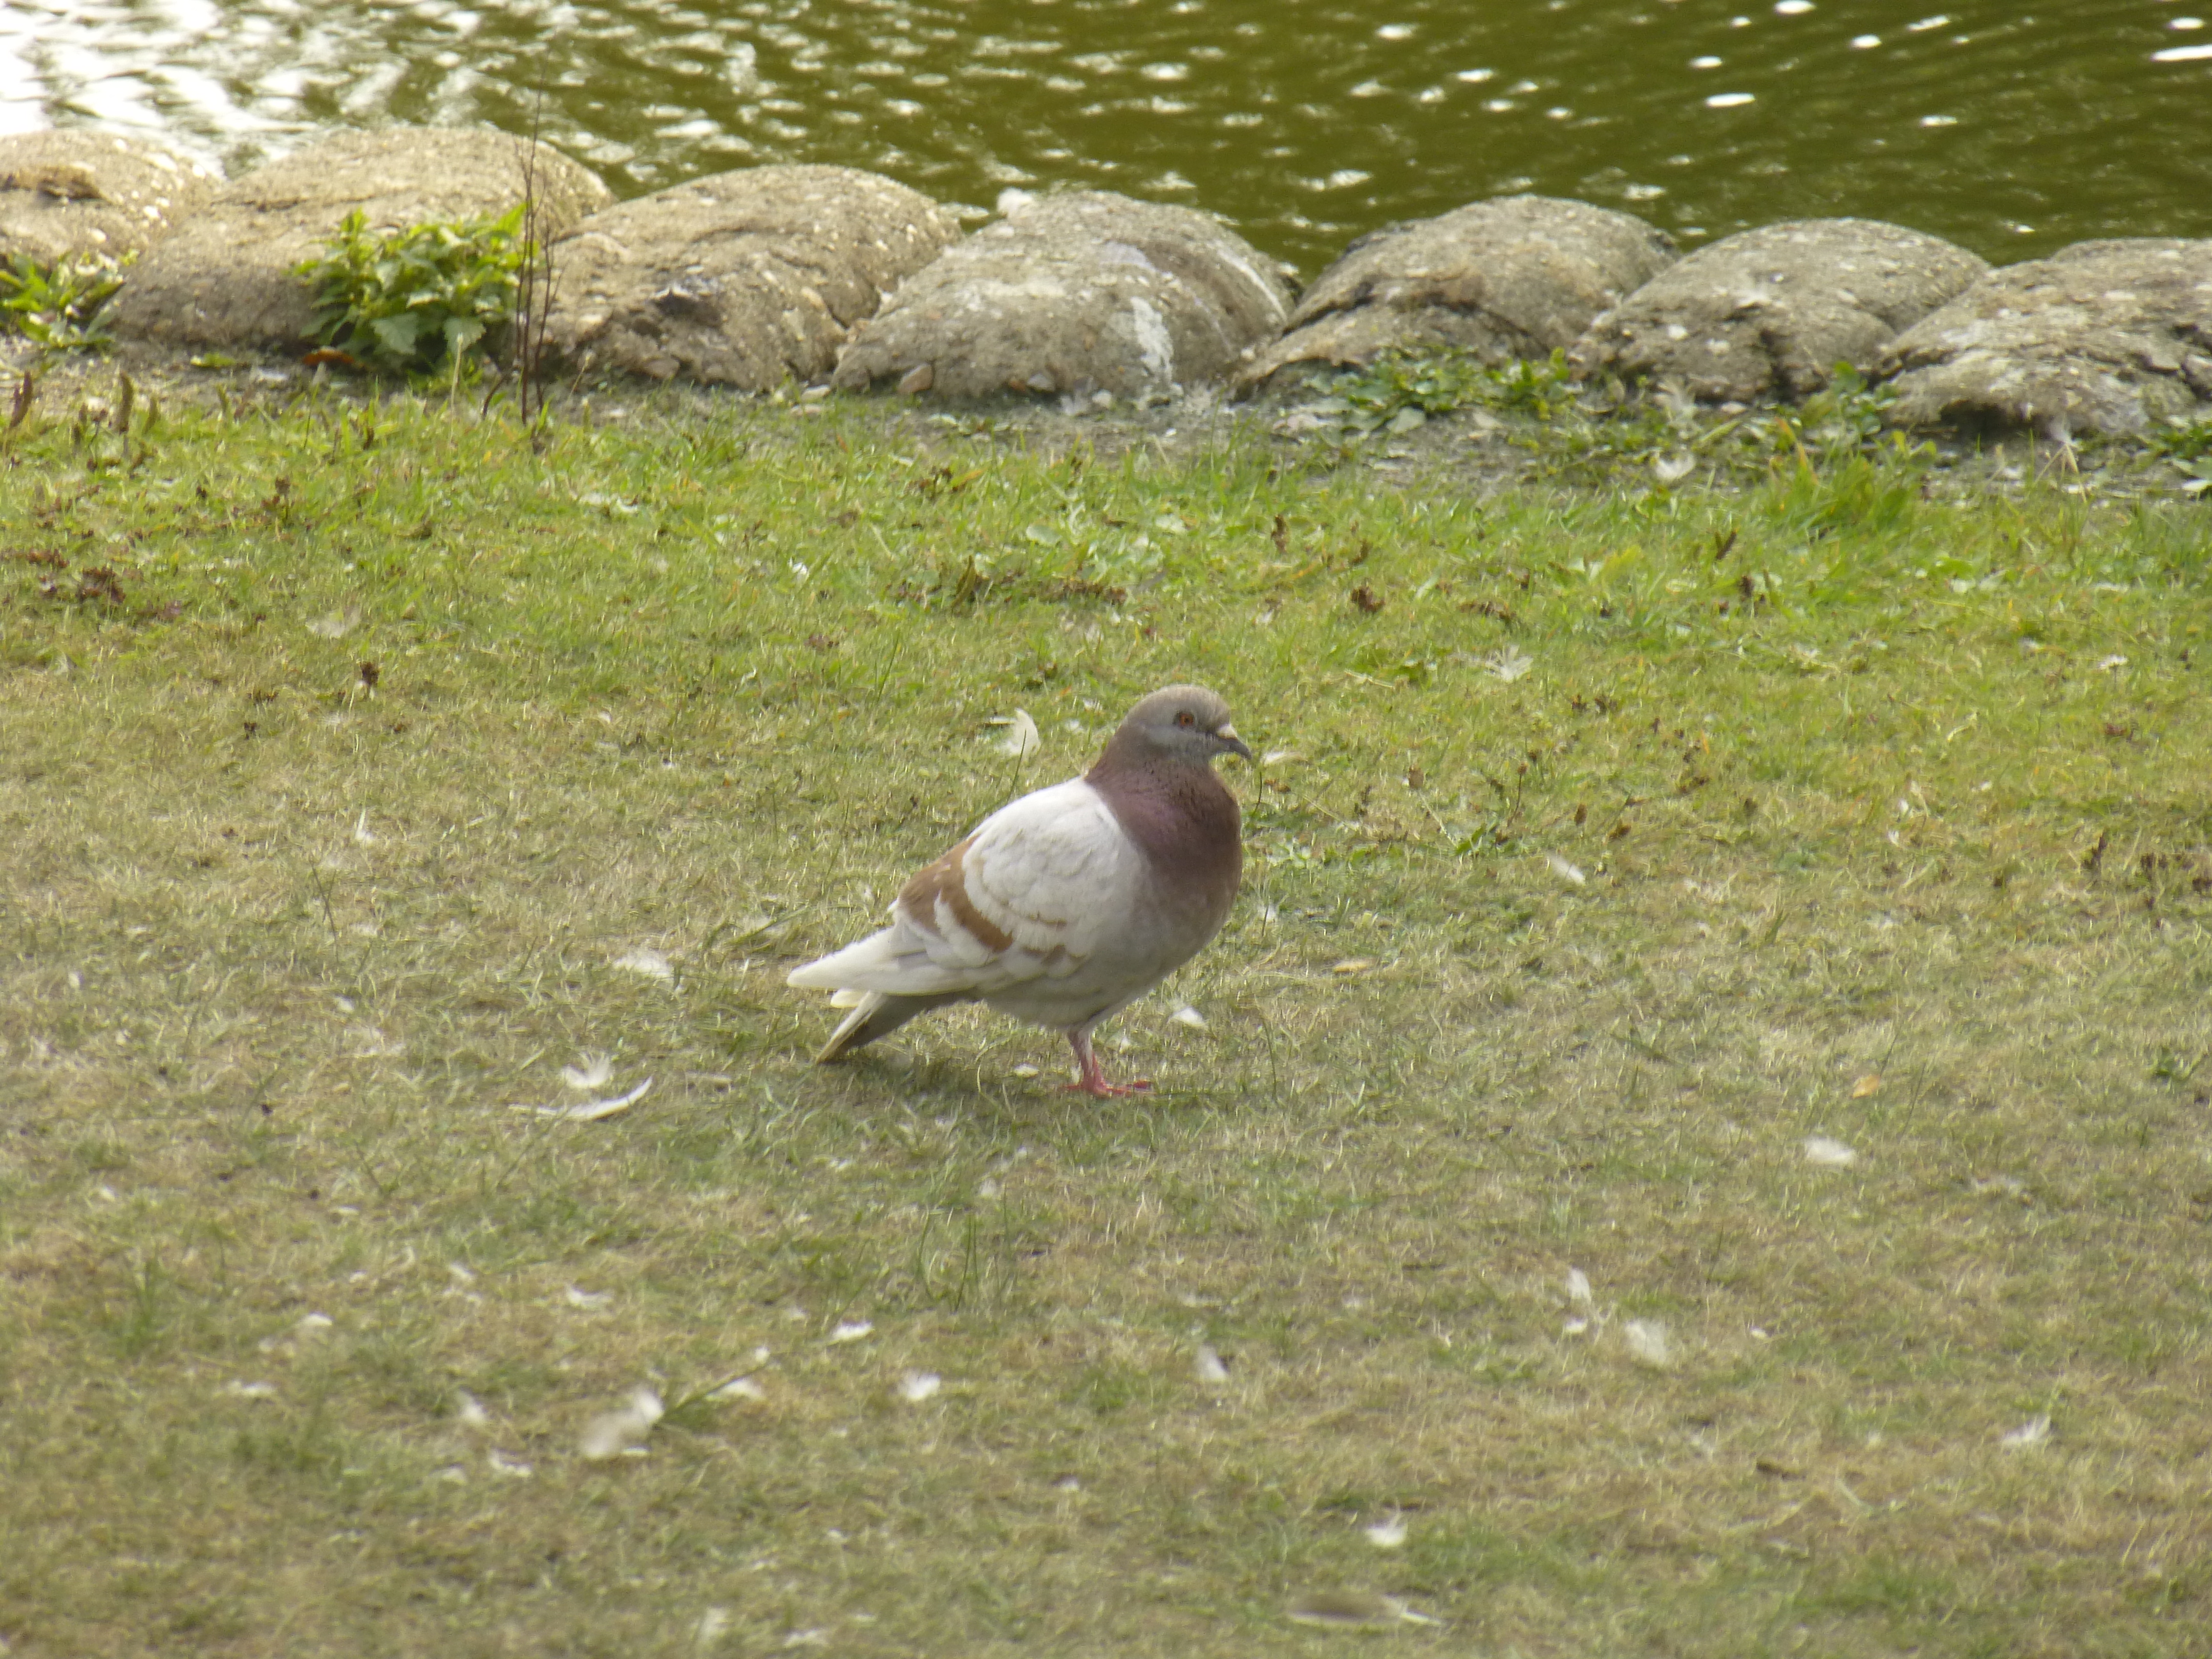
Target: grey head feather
(1176,726)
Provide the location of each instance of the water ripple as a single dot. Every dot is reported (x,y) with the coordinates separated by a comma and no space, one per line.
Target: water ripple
(1977,124)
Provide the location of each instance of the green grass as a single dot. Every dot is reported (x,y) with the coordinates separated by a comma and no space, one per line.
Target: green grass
(345,752)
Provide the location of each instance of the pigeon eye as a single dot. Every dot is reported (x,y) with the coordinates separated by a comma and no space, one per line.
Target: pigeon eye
(1185,718)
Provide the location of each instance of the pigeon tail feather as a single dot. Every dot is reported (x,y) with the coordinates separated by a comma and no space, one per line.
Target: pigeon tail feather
(877,1015)
(892,962)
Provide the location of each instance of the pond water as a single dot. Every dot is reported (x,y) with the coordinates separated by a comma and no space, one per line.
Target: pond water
(1303,122)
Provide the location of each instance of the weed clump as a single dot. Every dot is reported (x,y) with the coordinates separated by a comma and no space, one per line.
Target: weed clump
(60,305)
(410,301)
(1591,431)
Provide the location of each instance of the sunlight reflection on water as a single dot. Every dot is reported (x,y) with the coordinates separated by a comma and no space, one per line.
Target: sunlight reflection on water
(1304,124)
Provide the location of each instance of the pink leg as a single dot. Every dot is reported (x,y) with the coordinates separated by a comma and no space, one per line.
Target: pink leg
(1092,1080)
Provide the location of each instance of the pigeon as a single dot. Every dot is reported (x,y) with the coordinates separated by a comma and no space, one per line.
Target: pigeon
(1067,905)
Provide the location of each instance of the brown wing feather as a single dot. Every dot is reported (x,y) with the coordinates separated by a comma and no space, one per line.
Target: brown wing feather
(943,882)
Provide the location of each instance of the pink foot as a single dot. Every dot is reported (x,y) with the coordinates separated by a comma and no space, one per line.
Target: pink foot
(1104,1091)
(1091,1079)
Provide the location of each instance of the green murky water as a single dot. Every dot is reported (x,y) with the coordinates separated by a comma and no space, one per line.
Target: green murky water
(2012,131)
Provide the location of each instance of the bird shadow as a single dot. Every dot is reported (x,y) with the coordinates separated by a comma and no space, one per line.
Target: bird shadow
(984,1089)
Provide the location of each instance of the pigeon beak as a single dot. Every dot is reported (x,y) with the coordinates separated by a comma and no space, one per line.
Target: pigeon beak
(1225,735)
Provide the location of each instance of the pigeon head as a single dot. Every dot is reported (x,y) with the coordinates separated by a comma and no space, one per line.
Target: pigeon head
(1177,723)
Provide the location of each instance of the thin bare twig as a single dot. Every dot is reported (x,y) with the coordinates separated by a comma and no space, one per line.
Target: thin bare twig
(534,298)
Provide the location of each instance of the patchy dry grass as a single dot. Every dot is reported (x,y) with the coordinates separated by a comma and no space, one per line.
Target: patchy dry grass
(1607,850)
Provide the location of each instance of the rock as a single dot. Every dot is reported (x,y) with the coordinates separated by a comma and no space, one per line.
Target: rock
(1773,311)
(744,279)
(1085,290)
(224,277)
(66,190)
(2102,337)
(1518,276)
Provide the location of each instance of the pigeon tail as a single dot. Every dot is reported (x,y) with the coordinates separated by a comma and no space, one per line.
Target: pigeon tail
(893,961)
(878,1015)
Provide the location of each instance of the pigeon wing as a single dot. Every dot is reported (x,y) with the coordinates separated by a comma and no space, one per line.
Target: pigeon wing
(1028,895)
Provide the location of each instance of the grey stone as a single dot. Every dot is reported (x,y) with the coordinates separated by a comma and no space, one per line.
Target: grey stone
(1512,278)
(744,279)
(1771,311)
(66,190)
(224,276)
(1083,291)
(2102,337)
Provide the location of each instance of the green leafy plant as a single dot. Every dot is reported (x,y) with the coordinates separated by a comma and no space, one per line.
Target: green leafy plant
(414,299)
(59,305)
(1847,416)
(2187,444)
(1539,388)
(1402,388)
(2179,439)
(1604,429)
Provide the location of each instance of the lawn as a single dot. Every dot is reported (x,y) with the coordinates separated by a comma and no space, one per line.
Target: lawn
(1695,1139)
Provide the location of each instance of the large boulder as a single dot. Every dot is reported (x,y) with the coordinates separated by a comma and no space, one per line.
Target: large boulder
(744,279)
(1515,278)
(2101,337)
(68,191)
(1087,290)
(224,277)
(1771,311)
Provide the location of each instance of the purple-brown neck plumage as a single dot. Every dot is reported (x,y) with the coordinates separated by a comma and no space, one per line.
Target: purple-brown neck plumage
(1182,815)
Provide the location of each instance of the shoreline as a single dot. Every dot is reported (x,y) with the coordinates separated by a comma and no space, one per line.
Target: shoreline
(1474,451)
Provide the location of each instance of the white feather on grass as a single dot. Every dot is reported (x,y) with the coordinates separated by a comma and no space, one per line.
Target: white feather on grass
(612,1433)
(589,1111)
(1508,665)
(1585,1315)
(592,1070)
(1351,1609)
(1649,1345)
(1389,1533)
(1019,739)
